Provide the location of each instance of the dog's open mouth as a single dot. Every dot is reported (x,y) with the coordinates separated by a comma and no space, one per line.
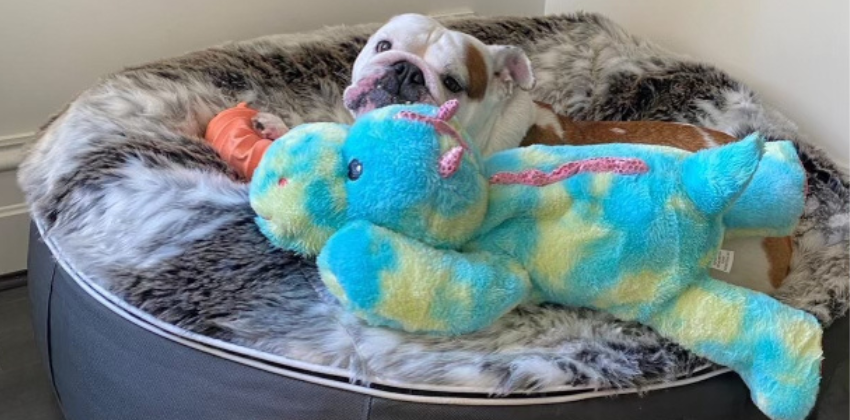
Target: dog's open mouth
(380,90)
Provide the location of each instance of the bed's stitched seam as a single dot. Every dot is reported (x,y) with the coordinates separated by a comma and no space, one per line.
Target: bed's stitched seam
(371,400)
(48,338)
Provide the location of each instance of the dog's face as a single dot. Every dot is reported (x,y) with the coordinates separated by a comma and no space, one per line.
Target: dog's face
(414,59)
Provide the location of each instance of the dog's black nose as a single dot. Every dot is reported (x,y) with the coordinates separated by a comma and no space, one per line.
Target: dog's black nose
(402,83)
(408,74)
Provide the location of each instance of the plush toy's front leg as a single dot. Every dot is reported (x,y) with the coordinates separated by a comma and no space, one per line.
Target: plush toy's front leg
(392,280)
(775,348)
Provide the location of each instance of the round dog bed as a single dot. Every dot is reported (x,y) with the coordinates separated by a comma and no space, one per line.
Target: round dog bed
(155,296)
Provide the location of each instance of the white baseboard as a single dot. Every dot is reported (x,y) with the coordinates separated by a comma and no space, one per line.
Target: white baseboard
(461,12)
(13,149)
(14,229)
(14,220)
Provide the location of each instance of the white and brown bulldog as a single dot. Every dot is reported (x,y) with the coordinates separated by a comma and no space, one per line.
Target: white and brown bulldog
(415,59)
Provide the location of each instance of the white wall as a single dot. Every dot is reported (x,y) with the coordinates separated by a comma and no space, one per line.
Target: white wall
(793,52)
(52,50)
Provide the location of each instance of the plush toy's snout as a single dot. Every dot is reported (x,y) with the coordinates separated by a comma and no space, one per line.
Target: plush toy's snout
(298,189)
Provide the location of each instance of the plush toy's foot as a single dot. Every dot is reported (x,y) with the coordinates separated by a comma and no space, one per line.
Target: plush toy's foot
(785,374)
(775,348)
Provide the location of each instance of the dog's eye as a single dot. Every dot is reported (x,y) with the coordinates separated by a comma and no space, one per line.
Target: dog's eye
(452,84)
(383,46)
(355,169)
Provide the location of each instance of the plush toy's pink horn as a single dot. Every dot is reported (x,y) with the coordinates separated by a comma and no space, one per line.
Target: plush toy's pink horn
(448,110)
(451,160)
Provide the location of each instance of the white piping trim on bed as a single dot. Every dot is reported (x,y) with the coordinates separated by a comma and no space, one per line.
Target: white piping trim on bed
(214,347)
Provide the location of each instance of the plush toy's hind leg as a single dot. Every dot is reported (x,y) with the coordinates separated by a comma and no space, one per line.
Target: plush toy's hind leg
(775,348)
(715,178)
(773,201)
(394,280)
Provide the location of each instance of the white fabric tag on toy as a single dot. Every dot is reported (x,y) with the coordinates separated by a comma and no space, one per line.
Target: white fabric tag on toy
(723,261)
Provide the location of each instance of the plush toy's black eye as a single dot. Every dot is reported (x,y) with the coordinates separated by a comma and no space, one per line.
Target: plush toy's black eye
(355,169)
(383,46)
(452,84)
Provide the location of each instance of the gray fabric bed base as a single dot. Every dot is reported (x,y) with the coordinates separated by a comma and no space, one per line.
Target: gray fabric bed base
(104,367)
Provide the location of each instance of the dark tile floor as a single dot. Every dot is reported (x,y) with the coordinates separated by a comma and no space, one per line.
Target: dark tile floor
(24,390)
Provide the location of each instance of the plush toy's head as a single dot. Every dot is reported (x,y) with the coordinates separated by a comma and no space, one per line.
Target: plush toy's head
(410,169)
(406,168)
(298,191)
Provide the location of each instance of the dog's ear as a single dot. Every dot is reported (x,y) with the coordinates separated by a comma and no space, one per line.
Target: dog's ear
(511,64)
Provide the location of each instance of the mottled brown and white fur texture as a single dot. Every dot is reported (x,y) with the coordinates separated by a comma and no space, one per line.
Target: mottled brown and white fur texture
(123,182)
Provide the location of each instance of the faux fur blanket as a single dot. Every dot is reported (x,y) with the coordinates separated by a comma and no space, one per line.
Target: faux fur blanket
(123,182)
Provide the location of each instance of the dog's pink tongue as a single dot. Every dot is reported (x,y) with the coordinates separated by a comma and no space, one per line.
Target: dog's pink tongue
(356,97)
(367,101)
(365,95)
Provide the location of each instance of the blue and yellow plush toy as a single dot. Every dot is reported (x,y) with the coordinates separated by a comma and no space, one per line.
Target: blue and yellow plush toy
(415,231)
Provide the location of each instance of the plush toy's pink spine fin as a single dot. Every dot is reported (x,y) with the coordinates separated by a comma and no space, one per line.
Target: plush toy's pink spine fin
(537,178)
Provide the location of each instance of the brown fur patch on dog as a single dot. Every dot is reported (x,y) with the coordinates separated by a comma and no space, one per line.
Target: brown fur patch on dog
(478,75)
(539,134)
(581,133)
(778,251)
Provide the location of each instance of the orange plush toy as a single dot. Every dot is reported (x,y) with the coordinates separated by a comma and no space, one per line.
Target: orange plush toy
(231,133)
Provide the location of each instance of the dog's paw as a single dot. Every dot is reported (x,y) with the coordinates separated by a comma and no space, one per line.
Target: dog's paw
(269,126)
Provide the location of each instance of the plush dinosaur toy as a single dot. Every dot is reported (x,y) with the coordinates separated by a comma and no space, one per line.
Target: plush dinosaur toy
(416,232)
